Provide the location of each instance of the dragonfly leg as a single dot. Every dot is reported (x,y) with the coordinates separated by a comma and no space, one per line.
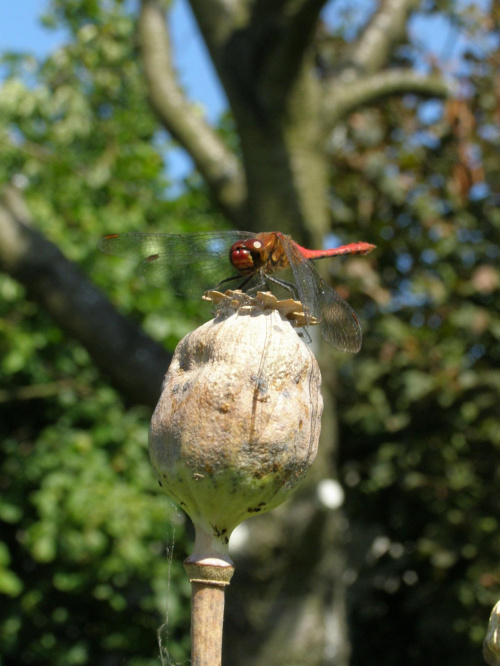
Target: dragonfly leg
(282,283)
(292,288)
(230,279)
(243,284)
(264,282)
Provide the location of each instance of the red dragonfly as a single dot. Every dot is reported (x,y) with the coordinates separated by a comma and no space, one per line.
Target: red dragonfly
(191,264)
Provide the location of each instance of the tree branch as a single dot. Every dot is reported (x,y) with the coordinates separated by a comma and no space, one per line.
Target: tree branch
(344,98)
(135,363)
(216,163)
(374,46)
(218,19)
(258,47)
(294,40)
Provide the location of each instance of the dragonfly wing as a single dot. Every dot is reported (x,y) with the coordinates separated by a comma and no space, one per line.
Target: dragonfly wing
(339,323)
(188,264)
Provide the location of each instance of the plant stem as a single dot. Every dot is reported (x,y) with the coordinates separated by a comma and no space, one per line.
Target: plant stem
(207,610)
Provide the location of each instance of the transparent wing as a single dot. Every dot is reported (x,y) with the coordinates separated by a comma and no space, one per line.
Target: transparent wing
(188,264)
(338,321)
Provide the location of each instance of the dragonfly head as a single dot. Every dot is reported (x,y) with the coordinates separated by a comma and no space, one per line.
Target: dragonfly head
(248,256)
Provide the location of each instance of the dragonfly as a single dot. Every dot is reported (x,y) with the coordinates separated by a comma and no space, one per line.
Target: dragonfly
(190,264)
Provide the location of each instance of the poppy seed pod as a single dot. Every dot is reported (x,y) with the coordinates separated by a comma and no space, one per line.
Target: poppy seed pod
(491,643)
(238,421)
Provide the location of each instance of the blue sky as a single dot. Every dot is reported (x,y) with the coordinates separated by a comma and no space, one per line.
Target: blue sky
(21,30)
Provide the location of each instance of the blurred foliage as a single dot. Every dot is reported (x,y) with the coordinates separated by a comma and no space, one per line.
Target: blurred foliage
(419,408)
(84,569)
(84,565)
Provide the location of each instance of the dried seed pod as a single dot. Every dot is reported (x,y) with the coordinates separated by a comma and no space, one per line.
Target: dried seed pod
(237,424)
(491,643)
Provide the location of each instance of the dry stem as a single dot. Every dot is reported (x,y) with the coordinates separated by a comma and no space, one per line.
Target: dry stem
(207,611)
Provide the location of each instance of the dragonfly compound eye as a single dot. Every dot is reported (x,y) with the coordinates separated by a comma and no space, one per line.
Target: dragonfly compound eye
(243,258)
